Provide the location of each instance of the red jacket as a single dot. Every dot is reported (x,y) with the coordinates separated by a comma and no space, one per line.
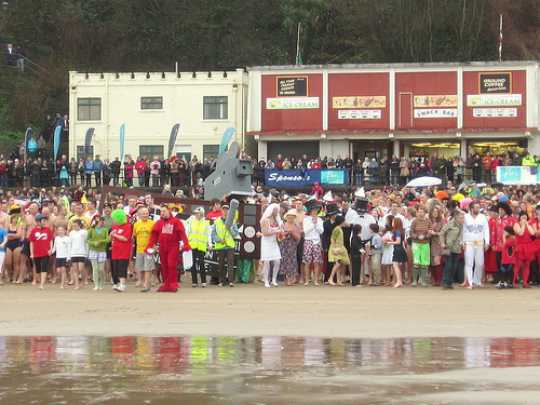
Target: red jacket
(121,250)
(496,230)
(508,251)
(140,167)
(168,233)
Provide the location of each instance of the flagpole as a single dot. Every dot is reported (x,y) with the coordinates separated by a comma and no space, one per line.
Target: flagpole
(298,45)
(500,37)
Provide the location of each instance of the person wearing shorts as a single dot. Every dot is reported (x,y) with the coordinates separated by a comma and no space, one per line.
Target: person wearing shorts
(313,229)
(41,243)
(420,235)
(144,263)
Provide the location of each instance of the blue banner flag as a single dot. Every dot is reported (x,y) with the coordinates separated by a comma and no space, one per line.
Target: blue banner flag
(172,139)
(122,141)
(226,139)
(56,140)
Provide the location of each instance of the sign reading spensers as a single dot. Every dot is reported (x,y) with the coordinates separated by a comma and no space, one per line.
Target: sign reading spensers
(292,86)
(495,82)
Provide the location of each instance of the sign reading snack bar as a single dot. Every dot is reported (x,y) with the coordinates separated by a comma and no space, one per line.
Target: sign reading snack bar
(359,102)
(359,114)
(435,101)
(292,86)
(495,112)
(495,82)
(436,113)
(493,100)
(292,103)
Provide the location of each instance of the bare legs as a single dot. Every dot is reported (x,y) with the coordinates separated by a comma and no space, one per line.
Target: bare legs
(397,274)
(337,271)
(306,267)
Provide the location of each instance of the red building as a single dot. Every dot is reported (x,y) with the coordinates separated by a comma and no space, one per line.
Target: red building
(381,110)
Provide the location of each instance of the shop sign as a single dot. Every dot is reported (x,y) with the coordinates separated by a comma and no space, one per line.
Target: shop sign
(495,82)
(292,86)
(359,102)
(493,100)
(359,114)
(435,101)
(436,113)
(520,175)
(292,103)
(495,112)
(305,178)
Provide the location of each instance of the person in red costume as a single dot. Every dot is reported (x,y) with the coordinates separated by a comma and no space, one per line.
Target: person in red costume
(168,232)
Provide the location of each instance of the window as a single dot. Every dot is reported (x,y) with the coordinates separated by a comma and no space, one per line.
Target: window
(89,109)
(210,151)
(183,152)
(151,103)
(83,154)
(215,108)
(151,151)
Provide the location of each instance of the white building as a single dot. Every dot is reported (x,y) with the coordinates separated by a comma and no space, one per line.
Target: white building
(205,104)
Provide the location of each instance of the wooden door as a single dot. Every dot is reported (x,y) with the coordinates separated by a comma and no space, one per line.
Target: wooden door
(405,117)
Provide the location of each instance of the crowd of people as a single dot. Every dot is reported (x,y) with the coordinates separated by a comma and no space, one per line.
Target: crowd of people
(40,171)
(156,172)
(398,171)
(389,236)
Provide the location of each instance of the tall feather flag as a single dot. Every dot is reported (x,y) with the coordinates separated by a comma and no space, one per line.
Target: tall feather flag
(226,139)
(56,140)
(172,139)
(298,59)
(500,36)
(122,142)
(88,140)
(27,138)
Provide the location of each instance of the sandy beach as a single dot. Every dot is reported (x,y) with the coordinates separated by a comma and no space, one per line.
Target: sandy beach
(251,310)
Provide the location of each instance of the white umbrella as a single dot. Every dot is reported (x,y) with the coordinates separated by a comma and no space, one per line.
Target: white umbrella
(425,181)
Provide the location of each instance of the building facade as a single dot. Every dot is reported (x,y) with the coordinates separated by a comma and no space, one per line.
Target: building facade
(363,111)
(205,104)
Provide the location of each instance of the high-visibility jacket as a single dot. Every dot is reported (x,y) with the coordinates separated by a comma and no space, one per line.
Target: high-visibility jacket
(198,234)
(224,239)
(528,160)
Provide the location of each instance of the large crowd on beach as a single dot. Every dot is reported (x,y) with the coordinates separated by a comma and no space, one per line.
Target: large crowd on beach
(472,236)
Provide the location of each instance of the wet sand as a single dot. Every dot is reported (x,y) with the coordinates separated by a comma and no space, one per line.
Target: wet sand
(251,310)
(268,370)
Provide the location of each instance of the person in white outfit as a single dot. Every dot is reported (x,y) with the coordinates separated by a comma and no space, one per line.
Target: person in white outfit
(271,227)
(475,242)
(78,252)
(313,229)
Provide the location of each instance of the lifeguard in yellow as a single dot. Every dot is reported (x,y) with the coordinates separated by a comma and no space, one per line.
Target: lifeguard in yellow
(199,234)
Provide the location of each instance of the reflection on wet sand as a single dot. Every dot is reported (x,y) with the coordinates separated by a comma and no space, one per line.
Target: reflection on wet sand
(280,370)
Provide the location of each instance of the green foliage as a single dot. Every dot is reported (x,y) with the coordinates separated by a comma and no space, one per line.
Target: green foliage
(140,35)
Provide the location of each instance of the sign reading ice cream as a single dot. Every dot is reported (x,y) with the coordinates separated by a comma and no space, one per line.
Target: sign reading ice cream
(292,103)
(494,100)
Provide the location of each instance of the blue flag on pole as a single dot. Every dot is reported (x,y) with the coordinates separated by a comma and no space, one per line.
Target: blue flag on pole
(88,139)
(122,141)
(56,140)
(172,139)
(226,139)
(32,145)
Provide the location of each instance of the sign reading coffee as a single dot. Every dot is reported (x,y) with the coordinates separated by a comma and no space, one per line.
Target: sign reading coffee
(292,86)
(495,83)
